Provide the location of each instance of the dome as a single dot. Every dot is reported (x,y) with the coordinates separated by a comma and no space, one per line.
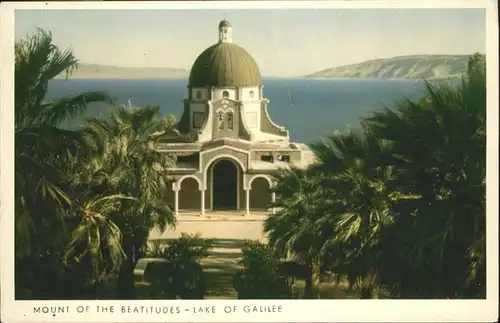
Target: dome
(224,64)
(225,23)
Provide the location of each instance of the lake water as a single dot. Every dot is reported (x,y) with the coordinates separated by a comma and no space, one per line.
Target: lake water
(309,108)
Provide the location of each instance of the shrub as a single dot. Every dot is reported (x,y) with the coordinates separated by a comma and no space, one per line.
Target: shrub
(260,278)
(181,276)
(155,249)
(188,248)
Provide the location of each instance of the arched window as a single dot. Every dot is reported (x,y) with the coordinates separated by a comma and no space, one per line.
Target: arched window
(251,94)
(198,95)
(220,121)
(225,94)
(230,120)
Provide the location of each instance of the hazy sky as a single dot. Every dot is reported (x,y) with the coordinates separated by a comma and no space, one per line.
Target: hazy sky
(283,42)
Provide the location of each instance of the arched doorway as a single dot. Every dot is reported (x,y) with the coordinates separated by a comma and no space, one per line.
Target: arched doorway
(260,194)
(225,185)
(189,196)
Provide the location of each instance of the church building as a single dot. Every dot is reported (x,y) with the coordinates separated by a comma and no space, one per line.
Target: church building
(228,147)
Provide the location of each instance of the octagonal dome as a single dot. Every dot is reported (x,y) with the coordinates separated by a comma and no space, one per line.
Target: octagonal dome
(224,64)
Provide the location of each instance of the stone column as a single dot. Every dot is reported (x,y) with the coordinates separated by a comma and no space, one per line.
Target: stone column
(247,202)
(202,202)
(273,199)
(176,200)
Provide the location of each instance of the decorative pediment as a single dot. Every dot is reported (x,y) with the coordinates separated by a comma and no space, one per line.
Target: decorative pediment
(226,142)
(227,101)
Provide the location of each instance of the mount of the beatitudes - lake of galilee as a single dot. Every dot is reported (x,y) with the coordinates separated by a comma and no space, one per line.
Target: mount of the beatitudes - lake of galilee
(94,71)
(430,67)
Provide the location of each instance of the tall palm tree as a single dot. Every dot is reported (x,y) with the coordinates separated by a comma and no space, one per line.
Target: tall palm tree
(427,239)
(129,163)
(292,229)
(442,161)
(41,151)
(40,145)
(355,202)
(403,201)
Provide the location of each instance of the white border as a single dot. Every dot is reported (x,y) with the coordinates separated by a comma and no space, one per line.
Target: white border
(292,311)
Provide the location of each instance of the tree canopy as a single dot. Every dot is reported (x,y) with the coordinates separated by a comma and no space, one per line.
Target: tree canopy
(400,203)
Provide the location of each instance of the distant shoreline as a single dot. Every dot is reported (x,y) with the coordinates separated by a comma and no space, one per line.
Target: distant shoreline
(317,78)
(99,77)
(424,67)
(95,71)
(413,67)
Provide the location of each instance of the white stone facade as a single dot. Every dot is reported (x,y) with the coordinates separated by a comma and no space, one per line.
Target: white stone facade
(230,145)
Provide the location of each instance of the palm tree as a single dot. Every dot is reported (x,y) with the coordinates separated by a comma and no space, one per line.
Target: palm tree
(128,163)
(292,229)
(356,205)
(40,146)
(41,150)
(441,155)
(402,202)
(94,252)
(417,194)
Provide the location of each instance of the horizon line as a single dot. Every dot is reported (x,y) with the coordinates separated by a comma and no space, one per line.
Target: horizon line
(264,75)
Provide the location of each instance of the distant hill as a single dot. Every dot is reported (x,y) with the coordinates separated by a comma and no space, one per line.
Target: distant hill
(115,72)
(409,67)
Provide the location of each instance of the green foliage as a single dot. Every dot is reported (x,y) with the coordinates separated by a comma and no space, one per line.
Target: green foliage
(171,280)
(293,270)
(41,148)
(124,161)
(87,199)
(97,241)
(401,203)
(45,207)
(181,275)
(188,248)
(441,164)
(260,278)
(157,274)
(398,205)
(155,249)
(294,227)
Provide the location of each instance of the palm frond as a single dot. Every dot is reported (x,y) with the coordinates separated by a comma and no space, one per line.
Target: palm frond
(64,108)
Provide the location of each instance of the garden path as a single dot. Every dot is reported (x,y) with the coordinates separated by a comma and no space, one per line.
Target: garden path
(229,231)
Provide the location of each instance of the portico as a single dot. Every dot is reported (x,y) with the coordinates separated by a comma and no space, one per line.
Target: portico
(224,184)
